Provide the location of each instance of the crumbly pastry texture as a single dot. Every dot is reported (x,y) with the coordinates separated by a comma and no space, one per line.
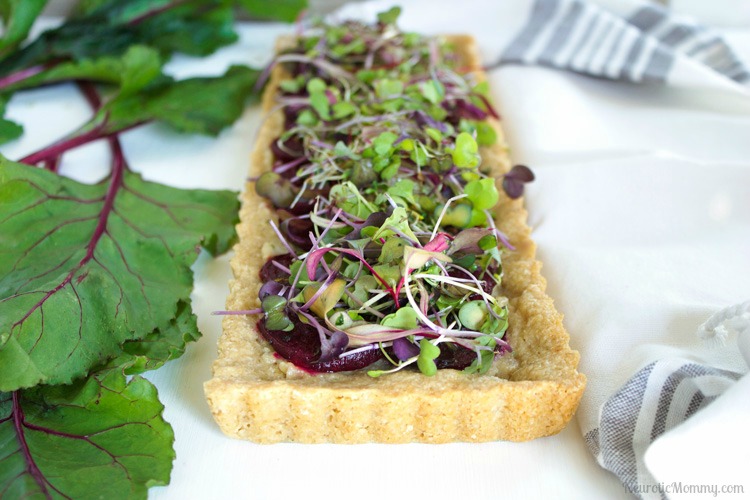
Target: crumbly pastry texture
(529,393)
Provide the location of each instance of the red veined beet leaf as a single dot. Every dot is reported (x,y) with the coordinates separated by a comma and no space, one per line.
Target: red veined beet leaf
(102,434)
(85,268)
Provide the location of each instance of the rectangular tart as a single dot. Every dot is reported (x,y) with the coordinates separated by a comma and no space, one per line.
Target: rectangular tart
(531,392)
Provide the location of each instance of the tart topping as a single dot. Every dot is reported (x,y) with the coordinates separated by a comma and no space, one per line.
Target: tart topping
(393,258)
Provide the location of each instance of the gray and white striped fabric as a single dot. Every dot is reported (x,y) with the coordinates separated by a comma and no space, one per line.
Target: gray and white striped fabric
(658,398)
(640,46)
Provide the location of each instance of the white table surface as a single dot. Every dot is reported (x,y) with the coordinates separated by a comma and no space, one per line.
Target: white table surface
(548,116)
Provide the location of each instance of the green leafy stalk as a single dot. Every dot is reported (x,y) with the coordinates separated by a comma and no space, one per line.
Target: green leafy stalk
(196,105)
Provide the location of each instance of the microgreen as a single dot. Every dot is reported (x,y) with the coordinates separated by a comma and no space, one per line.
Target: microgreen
(428,352)
(390,16)
(482,193)
(466,152)
(515,179)
(402,261)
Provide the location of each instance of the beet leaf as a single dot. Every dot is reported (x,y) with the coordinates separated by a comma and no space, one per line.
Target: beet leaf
(84,268)
(283,10)
(102,434)
(159,346)
(9,130)
(203,105)
(196,27)
(131,71)
(17,18)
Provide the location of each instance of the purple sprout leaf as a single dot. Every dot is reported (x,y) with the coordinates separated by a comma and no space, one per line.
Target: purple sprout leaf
(85,268)
(521,173)
(515,179)
(333,346)
(512,187)
(107,421)
(404,349)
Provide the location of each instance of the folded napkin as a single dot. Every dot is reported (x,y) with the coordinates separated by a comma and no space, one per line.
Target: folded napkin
(642,218)
(633,438)
(626,39)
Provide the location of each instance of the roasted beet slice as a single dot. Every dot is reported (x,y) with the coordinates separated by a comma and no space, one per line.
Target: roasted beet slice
(454,356)
(270,272)
(301,346)
(287,150)
(297,232)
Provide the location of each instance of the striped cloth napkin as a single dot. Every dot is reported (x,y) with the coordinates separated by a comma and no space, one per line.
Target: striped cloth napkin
(640,424)
(627,40)
(666,393)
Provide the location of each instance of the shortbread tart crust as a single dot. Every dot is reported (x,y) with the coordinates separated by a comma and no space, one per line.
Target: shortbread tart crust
(256,395)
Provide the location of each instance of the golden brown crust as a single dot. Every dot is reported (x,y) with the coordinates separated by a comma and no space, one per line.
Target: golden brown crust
(256,396)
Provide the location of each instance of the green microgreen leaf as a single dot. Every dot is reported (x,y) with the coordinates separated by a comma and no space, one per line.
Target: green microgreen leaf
(343,109)
(419,154)
(389,16)
(432,90)
(319,102)
(482,88)
(316,85)
(387,88)
(473,314)
(307,118)
(428,352)
(383,143)
(347,197)
(457,215)
(398,220)
(362,288)
(404,190)
(486,356)
(486,134)
(404,318)
(488,242)
(343,151)
(389,272)
(434,134)
(466,152)
(291,85)
(299,274)
(482,193)
(392,250)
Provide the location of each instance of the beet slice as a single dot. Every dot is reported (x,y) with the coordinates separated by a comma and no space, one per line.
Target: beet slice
(269,272)
(455,357)
(301,346)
